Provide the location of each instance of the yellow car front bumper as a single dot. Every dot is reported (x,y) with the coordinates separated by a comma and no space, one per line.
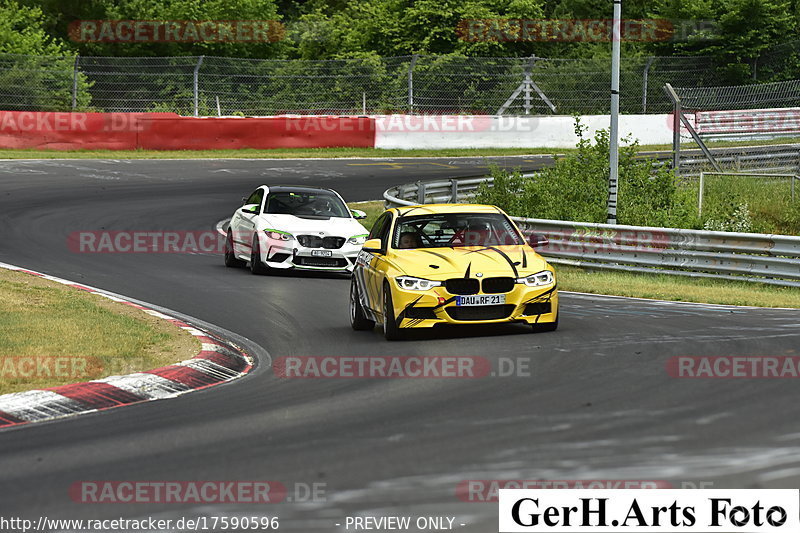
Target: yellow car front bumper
(425,309)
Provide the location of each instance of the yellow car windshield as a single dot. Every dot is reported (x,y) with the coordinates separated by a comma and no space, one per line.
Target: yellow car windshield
(449,230)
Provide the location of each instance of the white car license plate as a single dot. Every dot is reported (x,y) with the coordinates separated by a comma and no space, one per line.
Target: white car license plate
(481,299)
(322,253)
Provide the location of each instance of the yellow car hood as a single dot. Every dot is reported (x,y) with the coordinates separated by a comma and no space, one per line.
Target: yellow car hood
(461,261)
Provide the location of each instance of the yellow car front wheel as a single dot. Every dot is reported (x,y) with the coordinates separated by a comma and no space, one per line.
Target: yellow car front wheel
(391,331)
(545,326)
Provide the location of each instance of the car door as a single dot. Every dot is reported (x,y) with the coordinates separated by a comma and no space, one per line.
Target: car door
(243,222)
(372,270)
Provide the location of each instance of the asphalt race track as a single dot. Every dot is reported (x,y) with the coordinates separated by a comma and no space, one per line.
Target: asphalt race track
(598,403)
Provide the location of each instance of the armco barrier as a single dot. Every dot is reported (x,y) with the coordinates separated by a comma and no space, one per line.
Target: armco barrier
(486,131)
(168,131)
(73,131)
(753,257)
(186,133)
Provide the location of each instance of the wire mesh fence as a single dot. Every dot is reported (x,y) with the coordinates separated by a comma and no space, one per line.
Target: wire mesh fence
(754,96)
(755,112)
(451,84)
(443,84)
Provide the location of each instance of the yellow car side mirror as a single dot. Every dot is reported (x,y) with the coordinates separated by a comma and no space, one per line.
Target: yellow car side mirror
(373,245)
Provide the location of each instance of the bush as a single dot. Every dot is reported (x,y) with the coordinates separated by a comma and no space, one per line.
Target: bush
(750,204)
(576,188)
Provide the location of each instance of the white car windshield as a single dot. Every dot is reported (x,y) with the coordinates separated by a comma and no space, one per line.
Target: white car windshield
(313,204)
(455,229)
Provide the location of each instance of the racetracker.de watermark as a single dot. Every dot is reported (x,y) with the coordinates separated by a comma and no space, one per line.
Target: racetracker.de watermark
(176,31)
(42,122)
(400,367)
(733,367)
(477,123)
(13,368)
(196,492)
(487,490)
(582,30)
(440,122)
(154,242)
(597,240)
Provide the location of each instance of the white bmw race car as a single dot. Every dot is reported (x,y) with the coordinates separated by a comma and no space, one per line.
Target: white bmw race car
(300,227)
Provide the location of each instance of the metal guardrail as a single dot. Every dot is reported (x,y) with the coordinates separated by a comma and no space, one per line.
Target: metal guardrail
(784,159)
(752,257)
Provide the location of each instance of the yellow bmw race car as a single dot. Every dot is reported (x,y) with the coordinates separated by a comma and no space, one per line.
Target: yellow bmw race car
(433,264)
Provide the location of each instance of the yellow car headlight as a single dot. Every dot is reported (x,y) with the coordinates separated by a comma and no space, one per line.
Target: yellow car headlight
(545,277)
(411,283)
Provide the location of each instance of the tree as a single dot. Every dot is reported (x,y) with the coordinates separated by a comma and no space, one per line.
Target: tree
(22,31)
(742,30)
(61,13)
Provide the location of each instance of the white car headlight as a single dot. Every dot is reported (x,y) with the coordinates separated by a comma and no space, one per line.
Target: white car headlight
(278,235)
(357,239)
(411,283)
(545,277)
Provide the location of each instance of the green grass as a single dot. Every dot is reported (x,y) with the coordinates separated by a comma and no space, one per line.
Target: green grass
(682,289)
(373,209)
(749,204)
(53,335)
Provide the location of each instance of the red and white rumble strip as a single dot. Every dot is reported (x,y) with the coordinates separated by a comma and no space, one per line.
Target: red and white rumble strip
(218,361)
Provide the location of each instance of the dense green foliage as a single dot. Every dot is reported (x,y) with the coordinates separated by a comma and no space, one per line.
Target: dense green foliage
(734,31)
(576,188)
(742,38)
(22,31)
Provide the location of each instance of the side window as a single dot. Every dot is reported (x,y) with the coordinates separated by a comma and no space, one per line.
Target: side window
(256,197)
(375,233)
(384,234)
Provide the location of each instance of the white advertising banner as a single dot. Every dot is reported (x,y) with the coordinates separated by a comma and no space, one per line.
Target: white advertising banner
(650,511)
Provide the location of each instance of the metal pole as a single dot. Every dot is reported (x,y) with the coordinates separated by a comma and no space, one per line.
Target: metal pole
(219,111)
(676,127)
(75,82)
(528,93)
(411,83)
(646,77)
(700,195)
(528,82)
(613,177)
(363,103)
(196,91)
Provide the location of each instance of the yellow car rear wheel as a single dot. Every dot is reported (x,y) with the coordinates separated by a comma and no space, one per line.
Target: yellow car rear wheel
(358,320)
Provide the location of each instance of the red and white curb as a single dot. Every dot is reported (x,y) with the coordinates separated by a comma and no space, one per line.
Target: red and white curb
(217,362)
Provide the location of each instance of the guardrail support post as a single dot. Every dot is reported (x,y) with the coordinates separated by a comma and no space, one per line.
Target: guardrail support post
(420,192)
(454,191)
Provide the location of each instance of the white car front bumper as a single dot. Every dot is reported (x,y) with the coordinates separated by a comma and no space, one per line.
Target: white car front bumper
(286,255)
